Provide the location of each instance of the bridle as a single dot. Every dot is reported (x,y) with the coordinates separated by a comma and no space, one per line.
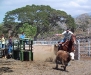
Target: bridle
(73,37)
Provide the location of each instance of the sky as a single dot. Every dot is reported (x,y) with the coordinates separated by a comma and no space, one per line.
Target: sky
(71,7)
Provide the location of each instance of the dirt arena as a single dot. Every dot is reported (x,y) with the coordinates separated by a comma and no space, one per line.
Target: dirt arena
(17,67)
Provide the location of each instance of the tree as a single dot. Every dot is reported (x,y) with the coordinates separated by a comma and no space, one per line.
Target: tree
(28,30)
(1,29)
(71,23)
(44,18)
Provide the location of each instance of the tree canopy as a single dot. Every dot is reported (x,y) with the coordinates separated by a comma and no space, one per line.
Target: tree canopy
(40,17)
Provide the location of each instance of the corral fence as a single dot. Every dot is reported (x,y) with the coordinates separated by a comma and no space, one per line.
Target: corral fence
(45,42)
(83,47)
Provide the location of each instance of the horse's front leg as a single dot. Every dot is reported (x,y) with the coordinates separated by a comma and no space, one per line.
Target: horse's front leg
(65,65)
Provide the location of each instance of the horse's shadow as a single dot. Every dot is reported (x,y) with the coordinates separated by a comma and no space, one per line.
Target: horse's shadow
(60,69)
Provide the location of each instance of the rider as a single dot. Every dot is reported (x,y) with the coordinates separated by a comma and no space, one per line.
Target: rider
(67,35)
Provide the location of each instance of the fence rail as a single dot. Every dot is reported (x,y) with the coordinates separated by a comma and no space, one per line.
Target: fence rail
(45,42)
(84,48)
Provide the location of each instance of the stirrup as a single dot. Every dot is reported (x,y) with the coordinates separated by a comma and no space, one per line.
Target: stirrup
(56,45)
(62,44)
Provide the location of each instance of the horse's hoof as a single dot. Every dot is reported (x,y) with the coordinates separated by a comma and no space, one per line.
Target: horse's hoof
(62,66)
(55,68)
(72,59)
(64,69)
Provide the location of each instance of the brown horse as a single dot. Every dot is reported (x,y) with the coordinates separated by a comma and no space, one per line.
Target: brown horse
(68,45)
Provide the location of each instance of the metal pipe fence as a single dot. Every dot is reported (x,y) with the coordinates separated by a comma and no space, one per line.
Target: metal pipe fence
(45,42)
(84,48)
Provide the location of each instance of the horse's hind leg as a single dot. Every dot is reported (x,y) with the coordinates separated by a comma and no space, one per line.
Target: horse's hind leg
(56,64)
(64,64)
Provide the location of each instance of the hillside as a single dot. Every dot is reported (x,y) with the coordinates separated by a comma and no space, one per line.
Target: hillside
(83,28)
(83,23)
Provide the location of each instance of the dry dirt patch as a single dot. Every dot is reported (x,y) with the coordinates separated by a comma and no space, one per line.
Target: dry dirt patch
(17,67)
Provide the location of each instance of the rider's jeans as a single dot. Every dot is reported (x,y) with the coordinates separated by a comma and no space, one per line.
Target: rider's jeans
(3,45)
(63,40)
(9,49)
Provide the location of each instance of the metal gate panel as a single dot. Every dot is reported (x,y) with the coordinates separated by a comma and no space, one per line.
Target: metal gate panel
(84,48)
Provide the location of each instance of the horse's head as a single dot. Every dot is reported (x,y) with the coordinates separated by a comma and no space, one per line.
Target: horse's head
(70,44)
(73,39)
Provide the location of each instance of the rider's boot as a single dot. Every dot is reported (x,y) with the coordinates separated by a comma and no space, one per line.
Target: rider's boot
(60,47)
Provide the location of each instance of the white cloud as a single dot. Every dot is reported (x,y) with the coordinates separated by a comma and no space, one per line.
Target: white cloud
(74,4)
(82,1)
(72,7)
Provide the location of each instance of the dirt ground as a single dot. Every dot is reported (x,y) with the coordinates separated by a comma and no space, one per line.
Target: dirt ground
(17,67)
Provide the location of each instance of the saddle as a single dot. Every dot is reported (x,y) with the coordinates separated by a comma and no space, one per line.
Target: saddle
(63,44)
